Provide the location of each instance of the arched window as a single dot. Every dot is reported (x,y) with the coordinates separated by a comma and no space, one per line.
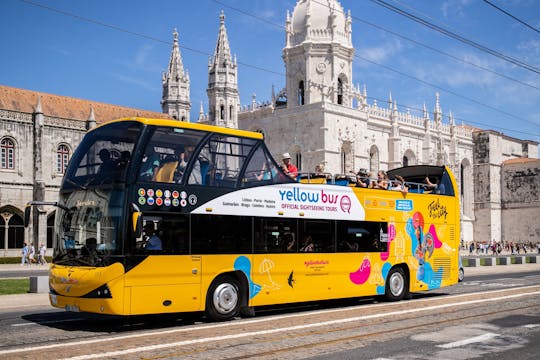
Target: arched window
(373,160)
(339,91)
(301,93)
(405,161)
(15,232)
(298,158)
(343,161)
(62,158)
(8,154)
(462,178)
(231,115)
(222,112)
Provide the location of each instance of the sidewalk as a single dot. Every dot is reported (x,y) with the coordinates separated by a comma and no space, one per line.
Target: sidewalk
(41,300)
(19,267)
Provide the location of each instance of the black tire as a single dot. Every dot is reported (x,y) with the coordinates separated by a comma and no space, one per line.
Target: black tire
(223,299)
(461,275)
(397,285)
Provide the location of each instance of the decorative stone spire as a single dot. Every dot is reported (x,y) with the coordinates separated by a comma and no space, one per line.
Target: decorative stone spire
(91,121)
(437,113)
(201,113)
(390,102)
(425,115)
(222,91)
(222,53)
(38,109)
(175,100)
(288,29)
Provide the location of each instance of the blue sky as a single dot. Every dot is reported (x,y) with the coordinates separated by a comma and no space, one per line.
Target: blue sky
(114,51)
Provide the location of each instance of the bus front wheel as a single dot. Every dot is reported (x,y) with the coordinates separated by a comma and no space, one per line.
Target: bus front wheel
(223,299)
(396,284)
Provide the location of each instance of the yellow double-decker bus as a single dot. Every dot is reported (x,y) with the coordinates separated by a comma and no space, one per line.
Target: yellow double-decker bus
(161,216)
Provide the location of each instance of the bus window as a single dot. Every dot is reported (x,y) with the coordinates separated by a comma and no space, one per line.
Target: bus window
(167,155)
(260,170)
(221,234)
(104,155)
(321,233)
(275,235)
(220,161)
(362,236)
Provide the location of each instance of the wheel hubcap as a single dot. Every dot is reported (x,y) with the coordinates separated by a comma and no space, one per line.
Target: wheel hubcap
(396,284)
(225,298)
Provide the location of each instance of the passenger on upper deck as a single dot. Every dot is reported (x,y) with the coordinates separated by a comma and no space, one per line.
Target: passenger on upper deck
(398,184)
(435,188)
(107,163)
(288,167)
(382,181)
(362,178)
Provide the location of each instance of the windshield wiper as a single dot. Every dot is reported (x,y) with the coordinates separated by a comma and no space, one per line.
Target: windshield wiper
(80,186)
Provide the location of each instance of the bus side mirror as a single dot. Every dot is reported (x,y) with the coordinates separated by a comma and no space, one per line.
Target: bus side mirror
(27,212)
(136,221)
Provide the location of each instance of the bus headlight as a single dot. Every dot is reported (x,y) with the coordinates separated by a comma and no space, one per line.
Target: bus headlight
(102,292)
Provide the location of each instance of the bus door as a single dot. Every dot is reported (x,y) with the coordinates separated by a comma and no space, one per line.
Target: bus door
(169,278)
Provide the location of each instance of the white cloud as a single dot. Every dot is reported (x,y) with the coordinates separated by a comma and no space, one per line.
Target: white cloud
(380,53)
(454,7)
(136,81)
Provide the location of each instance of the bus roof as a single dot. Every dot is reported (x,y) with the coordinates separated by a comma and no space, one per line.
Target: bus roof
(418,171)
(189,125)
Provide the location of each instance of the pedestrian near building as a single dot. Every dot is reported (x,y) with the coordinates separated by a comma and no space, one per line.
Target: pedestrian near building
(31,254)
(24,255)
(41,256)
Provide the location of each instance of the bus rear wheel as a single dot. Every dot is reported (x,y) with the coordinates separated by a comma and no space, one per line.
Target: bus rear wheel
(223,299)
(396,284)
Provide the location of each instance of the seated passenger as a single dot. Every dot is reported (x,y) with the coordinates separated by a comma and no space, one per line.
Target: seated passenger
(107,163)
(152,241)
(434,188)
(381,182)
(399,185)
(307,245)
(362,178)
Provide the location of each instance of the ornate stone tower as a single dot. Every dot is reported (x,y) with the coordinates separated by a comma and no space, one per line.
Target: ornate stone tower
(318,54)
(222,91)
(175,100)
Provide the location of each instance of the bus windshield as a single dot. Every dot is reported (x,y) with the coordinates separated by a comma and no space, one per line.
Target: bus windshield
(87,227)
(104,155)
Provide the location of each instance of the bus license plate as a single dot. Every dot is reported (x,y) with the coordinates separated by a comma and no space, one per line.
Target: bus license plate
(73,308)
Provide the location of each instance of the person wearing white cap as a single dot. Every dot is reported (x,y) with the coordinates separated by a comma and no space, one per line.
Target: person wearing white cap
(288,167)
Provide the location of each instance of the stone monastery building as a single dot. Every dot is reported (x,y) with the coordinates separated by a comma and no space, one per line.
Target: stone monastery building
(319,117)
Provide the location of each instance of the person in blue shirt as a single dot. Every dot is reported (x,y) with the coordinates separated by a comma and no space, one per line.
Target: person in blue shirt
(152,242)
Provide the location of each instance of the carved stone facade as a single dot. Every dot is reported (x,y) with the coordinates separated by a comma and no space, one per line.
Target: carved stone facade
(321,118)
(38,134)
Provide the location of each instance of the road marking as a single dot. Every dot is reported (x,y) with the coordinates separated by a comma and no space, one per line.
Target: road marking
(251,334)
(476,339)
(531,326)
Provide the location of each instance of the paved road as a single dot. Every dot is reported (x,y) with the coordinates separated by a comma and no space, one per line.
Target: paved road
(494,312)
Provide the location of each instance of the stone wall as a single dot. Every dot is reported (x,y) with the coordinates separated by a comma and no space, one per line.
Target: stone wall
(521,201)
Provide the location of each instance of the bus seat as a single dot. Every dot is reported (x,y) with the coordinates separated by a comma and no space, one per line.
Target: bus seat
(313,180)
(205,167)
(166,172)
